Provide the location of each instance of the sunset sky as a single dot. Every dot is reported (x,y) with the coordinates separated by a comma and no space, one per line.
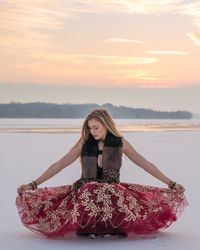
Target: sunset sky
(139,53)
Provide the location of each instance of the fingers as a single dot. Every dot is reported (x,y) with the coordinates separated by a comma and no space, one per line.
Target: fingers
(22,189)
(180,188)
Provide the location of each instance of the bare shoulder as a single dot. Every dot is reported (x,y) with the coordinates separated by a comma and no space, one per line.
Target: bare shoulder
(126,144)
(79,144)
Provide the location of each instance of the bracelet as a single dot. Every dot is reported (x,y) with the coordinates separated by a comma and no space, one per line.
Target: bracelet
(172,185)
(33,185)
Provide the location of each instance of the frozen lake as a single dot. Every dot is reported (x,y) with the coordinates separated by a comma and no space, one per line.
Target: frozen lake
(25,155)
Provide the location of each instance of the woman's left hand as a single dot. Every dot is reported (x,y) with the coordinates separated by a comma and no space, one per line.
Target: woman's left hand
(179,188)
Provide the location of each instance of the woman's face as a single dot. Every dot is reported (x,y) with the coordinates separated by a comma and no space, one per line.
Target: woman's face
(97,129)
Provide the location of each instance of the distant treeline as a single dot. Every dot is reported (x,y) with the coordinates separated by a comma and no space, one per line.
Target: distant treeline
(50,110)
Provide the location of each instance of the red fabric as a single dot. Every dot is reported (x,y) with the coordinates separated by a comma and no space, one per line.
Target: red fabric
(99,208)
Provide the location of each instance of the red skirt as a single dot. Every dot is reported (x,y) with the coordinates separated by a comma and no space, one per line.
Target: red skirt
(99,208)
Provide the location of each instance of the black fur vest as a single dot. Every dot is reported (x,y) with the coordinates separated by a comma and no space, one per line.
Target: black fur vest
(111,160)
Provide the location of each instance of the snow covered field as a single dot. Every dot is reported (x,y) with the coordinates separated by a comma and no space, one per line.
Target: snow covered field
(24,156)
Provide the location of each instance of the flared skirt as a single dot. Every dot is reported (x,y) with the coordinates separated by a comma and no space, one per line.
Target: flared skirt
(99,208)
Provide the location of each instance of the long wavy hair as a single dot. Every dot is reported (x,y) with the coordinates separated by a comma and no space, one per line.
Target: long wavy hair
(104,118)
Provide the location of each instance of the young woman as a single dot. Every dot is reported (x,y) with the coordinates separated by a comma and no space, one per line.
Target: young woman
(98,204)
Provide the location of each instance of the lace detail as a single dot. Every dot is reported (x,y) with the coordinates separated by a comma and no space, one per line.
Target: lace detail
(111,176)
(108,176)
(99,207)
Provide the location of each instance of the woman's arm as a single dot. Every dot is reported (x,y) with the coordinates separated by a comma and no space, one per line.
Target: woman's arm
(138,159)
(65,161)
(56,167)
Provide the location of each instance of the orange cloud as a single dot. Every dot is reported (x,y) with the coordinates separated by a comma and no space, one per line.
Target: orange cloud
(94,59)
(87,76)
(23,23)
(167,52)
(195,37)
(32,49)
(19,42)
(136,74)
(122,40)
(22,15)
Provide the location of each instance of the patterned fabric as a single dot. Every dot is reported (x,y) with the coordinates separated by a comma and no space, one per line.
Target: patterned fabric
(111,176)
(108,176)
(99,207)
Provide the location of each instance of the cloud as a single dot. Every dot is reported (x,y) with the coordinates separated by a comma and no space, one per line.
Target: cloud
(30,25)
(45,16)
(137,74)
(195,37)
(29,30)
(192,10)
(167,52)
(27,26)
(103,59)
(21,14)
(88,69)
(21,42)
(135,6)
(51,14)
(122,40)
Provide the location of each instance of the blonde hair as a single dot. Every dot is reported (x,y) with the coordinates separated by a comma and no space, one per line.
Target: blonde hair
(106,120)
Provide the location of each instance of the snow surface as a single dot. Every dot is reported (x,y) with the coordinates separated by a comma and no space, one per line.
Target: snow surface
(24,156)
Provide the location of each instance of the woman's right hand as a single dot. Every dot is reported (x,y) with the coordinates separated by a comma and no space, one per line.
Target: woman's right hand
(23,188)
